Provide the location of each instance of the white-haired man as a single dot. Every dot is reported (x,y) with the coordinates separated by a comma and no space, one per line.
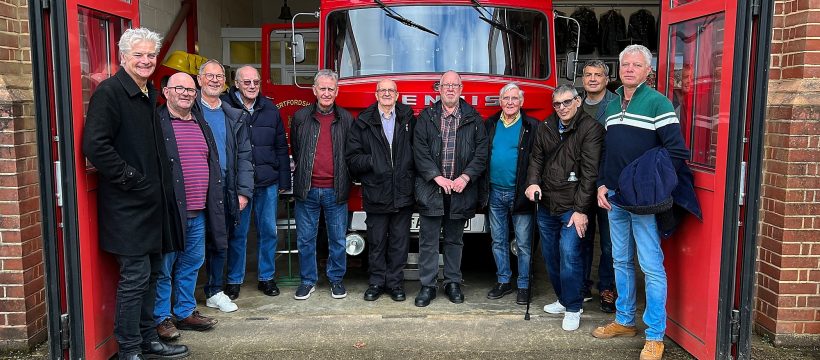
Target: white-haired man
(122,138)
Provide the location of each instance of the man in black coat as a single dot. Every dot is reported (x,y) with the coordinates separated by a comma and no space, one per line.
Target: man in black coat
(136,209)
(510,135)
(234,150)
(200,206)
(380,154)
(271,167)
(321,183)
(450,151)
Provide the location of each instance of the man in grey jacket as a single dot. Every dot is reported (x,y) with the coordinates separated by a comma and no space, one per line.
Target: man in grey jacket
(234,150)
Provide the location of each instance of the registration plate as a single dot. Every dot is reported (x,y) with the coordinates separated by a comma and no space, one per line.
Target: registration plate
(414,224)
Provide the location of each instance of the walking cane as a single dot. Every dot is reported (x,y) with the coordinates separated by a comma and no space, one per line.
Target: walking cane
(533,246)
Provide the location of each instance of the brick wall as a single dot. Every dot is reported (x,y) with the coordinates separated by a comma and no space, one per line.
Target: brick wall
(788,280)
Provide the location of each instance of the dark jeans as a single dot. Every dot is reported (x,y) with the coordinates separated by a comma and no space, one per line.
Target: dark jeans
(606,272)
(429,233)
(136,291)
(561,248)
(388,239)
(215,259)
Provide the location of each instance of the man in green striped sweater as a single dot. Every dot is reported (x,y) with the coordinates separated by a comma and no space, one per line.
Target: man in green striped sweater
(641,119)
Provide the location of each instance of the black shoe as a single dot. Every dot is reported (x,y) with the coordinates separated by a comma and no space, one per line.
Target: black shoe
(453,291)
(130,357)
(397,294)
(232,290)
(499,290)
(160,350)
(268,287)
(426,294)
(373,292)
(587,293)
(522,297)
(608,301)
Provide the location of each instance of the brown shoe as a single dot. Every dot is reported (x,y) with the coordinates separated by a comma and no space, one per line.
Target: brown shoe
(167,331)
(196,322)
(652,350)
(614,329)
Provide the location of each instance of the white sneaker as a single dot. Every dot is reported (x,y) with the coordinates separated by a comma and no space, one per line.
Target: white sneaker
(222,302)
(571,320)
(555,308)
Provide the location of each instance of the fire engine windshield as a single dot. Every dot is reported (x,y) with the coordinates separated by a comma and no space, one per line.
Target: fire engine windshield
(511,42)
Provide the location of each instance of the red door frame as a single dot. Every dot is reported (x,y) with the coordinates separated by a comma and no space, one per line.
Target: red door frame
(702,260)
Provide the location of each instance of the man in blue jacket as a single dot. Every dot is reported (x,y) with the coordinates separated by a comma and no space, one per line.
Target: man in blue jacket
(641,119)
(271,164)
(234,150)
(595,79)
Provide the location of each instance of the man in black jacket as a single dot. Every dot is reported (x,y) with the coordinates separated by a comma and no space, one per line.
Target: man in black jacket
(450,151)
(136,209)
(271,167)
(563,168)
(318,134)
(234,149)
(198,191)
(510,134)
(380,154)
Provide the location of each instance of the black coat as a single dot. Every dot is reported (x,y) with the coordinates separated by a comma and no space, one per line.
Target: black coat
(123,140)
(643,29)
(239,175)
(521,205)
(589,30)
(553,159)
(612,27)
(471,159)
(386,171)
(217,232)
(269,146)
(304,134)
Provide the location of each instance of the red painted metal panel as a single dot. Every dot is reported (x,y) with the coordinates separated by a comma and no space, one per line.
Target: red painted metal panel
(94,27)
(693,255)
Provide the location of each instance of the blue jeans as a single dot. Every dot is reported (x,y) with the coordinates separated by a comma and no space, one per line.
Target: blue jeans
(561,247)
(631,232)
(183,266)
(307,228)
(501,207)
(215,259)
(606,274)
(264,203)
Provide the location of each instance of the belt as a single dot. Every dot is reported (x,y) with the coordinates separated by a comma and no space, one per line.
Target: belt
(194,213)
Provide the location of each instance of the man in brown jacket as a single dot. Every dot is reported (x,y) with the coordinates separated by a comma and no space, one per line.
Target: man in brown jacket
(563,168)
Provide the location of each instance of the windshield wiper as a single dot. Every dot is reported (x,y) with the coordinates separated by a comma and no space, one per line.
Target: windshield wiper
(478,7)
(394,15)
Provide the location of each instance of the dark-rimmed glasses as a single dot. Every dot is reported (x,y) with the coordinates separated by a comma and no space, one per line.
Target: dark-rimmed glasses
(566,103)
(179,89)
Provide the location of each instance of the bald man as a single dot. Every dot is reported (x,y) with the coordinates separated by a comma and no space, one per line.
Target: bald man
(197,181)
(379,154)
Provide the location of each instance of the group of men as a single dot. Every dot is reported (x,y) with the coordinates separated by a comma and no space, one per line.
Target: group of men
(179,183)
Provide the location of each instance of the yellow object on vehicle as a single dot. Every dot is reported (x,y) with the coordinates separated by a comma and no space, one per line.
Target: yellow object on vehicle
(185,62)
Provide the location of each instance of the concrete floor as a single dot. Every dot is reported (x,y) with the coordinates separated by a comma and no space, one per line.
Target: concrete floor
(351,328)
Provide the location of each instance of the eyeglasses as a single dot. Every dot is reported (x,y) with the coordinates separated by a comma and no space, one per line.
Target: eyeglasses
(450,86)
(325,89)
(511,99)
(217,77)
(179,89)
(249,82)
(565,103)
(384,91)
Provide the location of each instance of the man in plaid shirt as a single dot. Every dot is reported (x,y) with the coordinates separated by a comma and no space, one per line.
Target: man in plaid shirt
(450,150)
